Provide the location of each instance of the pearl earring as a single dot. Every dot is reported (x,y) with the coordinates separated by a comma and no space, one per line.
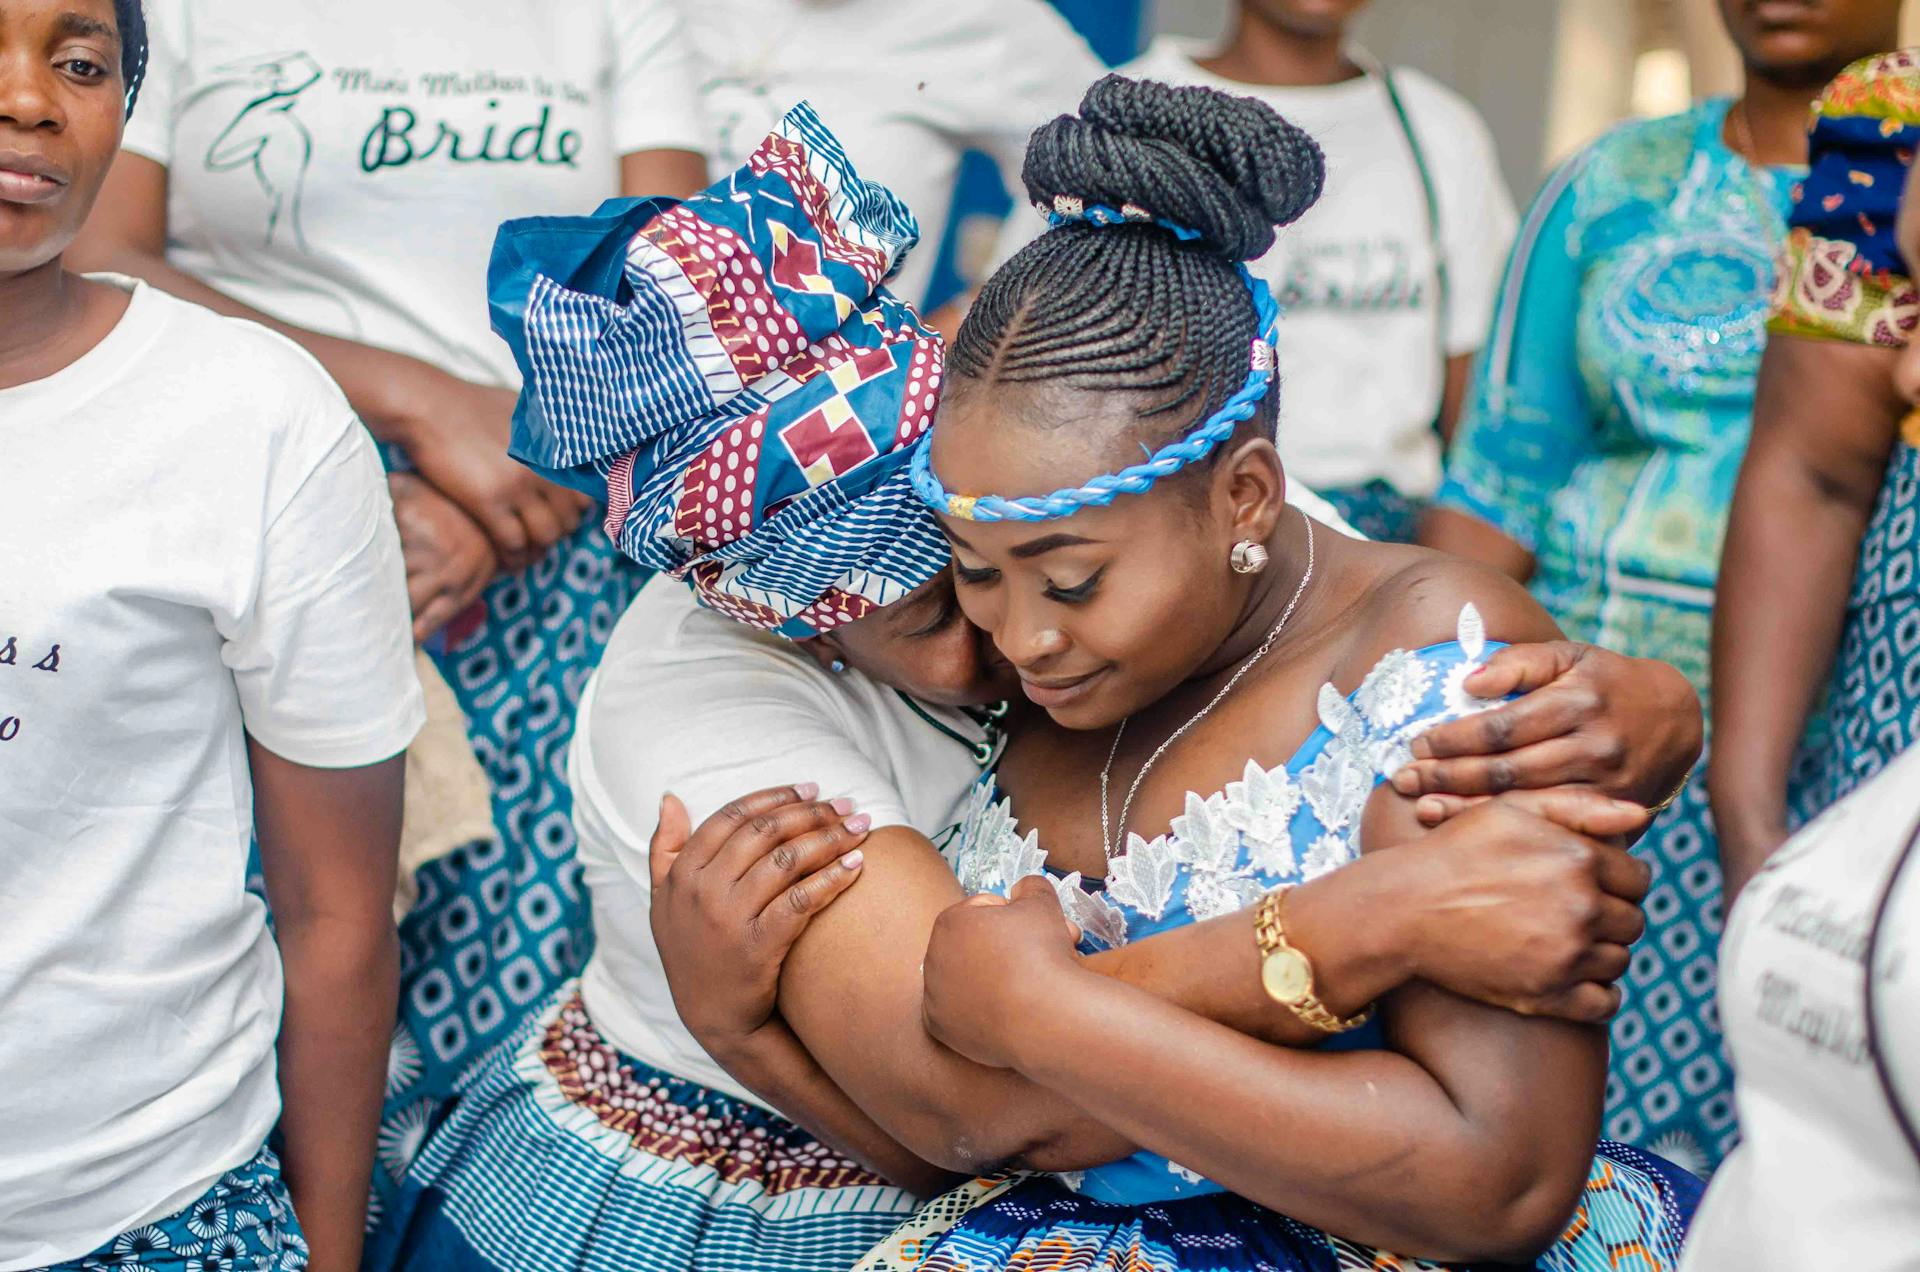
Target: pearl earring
(837,667)
(1247,557)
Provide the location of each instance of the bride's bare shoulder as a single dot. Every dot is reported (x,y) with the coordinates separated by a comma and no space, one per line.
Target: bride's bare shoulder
(1415,601)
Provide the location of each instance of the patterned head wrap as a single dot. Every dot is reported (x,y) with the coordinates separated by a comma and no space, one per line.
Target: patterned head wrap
(729,376)
(133,47)
(1840,274)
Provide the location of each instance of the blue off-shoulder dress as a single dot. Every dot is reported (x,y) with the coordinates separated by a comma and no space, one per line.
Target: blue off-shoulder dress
(1271,828)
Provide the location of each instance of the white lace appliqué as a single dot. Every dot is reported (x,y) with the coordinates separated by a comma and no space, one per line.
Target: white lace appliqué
(1234,845)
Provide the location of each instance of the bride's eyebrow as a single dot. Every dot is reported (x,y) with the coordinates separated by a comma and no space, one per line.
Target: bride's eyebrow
(1046,544)
(1031,548)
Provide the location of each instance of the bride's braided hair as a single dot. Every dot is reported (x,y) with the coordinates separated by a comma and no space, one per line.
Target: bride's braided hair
(1132,307)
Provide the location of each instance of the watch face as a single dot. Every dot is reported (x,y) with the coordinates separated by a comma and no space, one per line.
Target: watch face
(1286,976)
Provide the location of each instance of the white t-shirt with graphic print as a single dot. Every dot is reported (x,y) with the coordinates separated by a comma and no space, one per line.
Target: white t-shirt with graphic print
(1361,333)
(907,87)
(196,547)
(344,165)
(1823,1176)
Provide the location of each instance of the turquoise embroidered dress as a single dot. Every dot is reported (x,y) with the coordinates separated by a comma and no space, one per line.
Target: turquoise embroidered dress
(1604,433)
(1272,827)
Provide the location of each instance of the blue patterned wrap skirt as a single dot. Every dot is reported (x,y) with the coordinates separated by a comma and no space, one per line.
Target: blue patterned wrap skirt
(244,1223)
(561,1154)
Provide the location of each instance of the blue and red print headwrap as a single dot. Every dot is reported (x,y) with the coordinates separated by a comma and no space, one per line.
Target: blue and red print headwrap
(730,378)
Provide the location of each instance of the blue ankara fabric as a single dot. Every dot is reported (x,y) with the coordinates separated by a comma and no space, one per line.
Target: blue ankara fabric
(503,922)
(730,377)
(563,1152)
(244,1223)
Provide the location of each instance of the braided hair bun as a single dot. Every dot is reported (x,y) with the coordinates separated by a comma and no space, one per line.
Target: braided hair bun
(1229,167)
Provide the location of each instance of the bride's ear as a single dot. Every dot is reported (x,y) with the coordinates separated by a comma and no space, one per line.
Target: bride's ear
(1252,490)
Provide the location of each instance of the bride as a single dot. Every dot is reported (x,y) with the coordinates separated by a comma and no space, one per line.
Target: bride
(1225,685)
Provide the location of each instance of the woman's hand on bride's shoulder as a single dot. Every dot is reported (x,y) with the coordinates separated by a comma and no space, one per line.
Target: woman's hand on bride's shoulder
(1629,726)
(992,965)
(730,899)
(1526,901)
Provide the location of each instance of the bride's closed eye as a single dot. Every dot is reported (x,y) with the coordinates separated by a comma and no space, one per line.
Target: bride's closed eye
(1078,592)
(973,576)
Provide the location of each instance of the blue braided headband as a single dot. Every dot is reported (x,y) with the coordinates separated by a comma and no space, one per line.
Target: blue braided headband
(1169,459)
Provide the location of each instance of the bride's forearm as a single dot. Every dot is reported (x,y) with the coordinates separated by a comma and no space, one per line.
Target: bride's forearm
(1347,918)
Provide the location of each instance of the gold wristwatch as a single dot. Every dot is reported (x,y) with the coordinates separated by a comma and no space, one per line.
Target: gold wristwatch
(1286,973)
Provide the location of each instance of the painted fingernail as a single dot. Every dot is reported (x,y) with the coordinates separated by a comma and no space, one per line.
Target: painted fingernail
(842,806)
(853,859)
(807,790)
(858,823)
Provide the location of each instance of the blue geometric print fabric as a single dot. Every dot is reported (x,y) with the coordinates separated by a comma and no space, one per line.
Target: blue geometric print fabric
(1874,704)
(503,921)
(562,1152)
(728,374)
(244,1223)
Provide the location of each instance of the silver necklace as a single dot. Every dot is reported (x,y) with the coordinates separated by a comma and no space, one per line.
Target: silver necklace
(1107,843)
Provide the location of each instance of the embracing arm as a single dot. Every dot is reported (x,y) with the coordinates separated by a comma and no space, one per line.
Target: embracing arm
(329,839)
(1553,925)
(1628,726)
(851,991)
(1806,491)
(1375,1146)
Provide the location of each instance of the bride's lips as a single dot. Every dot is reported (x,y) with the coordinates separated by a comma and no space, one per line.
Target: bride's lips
(1058,693)
(28,178)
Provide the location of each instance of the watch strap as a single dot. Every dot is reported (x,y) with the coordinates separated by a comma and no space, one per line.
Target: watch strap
(1270,934)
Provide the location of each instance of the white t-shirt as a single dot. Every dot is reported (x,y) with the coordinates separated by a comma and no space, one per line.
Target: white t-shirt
(344,165)
(907,88)
(198,547)
(1822,1177)
(688,701)
(1360,331)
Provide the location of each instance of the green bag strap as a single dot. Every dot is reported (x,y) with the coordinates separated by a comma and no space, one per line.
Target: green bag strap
(1431,197)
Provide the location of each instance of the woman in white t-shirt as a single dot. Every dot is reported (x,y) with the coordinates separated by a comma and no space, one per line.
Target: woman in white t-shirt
(204,637)
(918,88)
(338,171)
(1387,284)
(1820,999)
